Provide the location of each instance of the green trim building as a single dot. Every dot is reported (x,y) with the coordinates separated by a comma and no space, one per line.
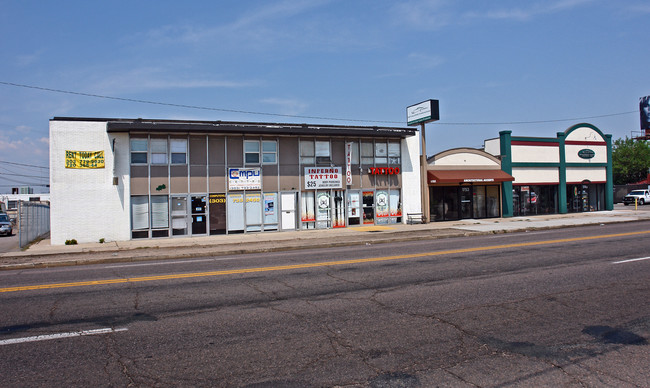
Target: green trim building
(569,173)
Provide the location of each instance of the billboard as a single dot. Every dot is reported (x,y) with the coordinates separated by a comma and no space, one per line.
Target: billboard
(644,110)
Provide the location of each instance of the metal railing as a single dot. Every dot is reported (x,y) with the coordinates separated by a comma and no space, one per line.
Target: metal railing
(33,221)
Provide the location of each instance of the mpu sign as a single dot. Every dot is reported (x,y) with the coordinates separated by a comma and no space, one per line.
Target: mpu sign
(244,179)
(586,153)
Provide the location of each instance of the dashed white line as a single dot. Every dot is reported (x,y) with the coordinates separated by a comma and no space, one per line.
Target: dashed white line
(47,337)
(631,260)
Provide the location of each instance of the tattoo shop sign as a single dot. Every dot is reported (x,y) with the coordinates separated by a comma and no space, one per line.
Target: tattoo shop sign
(323,178)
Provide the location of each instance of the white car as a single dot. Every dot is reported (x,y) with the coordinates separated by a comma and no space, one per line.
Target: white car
(640,196)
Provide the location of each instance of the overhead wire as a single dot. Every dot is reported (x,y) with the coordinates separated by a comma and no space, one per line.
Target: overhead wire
(299,116)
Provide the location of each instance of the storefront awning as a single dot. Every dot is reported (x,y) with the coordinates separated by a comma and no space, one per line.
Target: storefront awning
(467,176)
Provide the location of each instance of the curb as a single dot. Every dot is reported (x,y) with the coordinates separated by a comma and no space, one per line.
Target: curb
(166,253)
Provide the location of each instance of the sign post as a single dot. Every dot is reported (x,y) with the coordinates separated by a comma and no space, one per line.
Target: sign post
(422,113)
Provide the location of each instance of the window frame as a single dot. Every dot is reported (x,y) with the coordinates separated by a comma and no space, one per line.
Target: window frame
(140,152)
(254,153)
(175,152)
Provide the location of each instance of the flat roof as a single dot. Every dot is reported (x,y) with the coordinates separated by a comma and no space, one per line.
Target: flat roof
(175,126)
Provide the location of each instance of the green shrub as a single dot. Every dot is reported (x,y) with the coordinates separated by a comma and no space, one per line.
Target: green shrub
(71,242)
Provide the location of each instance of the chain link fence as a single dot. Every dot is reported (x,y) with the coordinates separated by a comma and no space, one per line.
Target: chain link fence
(33,221)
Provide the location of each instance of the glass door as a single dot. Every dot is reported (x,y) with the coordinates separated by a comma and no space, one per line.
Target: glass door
(465,202)
(199,220)
(323,210)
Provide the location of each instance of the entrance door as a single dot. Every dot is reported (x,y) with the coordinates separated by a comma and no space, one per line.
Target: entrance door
(179,216)
(465,202)
(288,204)
(199,220)
(368,207)
(323,209)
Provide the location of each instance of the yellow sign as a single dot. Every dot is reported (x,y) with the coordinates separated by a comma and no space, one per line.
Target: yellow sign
(84,159)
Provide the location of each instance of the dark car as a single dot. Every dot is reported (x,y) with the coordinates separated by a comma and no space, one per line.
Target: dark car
(6,228)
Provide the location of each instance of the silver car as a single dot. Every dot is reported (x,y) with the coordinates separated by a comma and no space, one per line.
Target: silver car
(6,228)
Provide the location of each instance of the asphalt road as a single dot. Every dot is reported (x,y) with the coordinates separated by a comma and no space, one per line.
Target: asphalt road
(560,307)
(9,243)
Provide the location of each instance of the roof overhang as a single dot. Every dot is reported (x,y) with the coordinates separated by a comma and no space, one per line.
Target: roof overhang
(467,176)
(234,127)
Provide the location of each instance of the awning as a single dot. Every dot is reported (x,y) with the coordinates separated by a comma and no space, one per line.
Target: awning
(467,176)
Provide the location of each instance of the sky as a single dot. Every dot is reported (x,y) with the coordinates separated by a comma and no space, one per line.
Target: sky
(533,67)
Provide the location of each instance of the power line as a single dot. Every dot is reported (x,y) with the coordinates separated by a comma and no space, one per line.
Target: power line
(299,116)
(25,176)
(24,165)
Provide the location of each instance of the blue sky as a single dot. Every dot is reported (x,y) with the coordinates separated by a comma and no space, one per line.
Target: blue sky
(491,64)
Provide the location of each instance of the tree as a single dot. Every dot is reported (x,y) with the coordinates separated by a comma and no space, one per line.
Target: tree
(630,160)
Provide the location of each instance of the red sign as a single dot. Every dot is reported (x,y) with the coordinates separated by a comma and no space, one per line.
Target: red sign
(383,170)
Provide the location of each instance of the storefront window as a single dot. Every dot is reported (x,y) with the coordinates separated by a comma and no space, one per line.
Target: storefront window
(270,211)
(338,214)
(308,210)
(160,215)
(140,216)
(480,204)
(493,201)
(253,212)
(534,199)
(395,206)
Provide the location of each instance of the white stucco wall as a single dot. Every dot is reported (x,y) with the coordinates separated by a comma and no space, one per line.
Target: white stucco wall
(535,154)
(492,146)
(84,203)
(584,134)
(531,175)
(411,202)
(466,160)
(579,174)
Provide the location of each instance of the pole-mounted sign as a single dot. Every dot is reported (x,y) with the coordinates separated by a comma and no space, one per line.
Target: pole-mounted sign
(423,112)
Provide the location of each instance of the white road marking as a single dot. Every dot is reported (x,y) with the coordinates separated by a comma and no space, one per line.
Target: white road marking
(60,335)
(631,260)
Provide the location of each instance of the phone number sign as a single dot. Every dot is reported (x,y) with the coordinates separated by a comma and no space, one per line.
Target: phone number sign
(323,178)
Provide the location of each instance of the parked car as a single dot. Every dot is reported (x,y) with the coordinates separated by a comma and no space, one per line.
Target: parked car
(6,227)
(640,196)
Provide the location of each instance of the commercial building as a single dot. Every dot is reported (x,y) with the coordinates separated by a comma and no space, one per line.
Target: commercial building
(121,179)
(569,173)
(465,183)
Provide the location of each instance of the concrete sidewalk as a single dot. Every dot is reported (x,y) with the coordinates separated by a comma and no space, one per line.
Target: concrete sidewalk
(43,254)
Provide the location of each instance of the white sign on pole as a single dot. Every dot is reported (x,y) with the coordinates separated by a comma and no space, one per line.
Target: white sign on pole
(423,112)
